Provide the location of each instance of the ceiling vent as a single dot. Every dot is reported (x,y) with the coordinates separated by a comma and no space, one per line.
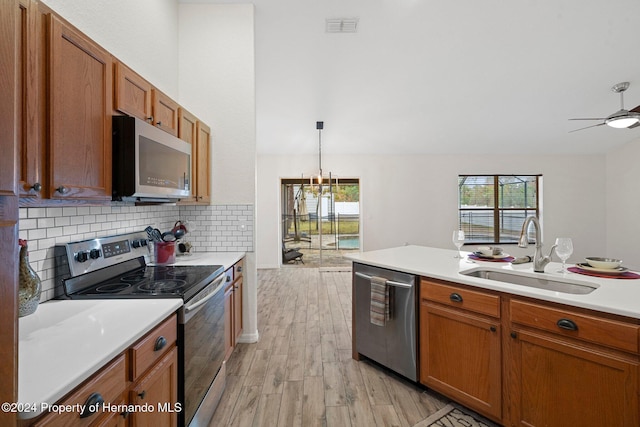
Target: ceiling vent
(342,25)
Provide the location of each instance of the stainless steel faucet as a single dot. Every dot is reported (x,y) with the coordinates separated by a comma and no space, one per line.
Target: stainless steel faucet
(539,260)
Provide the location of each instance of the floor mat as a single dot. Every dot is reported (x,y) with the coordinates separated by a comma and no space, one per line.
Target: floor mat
(455,416)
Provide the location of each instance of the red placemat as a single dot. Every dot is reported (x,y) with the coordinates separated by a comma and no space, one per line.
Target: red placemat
(625,275)
(479,258)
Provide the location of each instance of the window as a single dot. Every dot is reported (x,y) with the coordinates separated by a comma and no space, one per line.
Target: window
(492,208)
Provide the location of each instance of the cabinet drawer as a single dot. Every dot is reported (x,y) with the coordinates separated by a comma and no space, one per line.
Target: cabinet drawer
(109,383)
(153,346)
(228,276)
(476,301)
(569,323)
(237,268)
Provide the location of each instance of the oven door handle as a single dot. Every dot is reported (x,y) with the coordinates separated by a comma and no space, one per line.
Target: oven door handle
(188,308)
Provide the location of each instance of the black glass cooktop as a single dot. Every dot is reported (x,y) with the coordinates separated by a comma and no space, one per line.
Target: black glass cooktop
(136,280)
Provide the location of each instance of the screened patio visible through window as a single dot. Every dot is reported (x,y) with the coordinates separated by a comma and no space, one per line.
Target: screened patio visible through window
(492,208)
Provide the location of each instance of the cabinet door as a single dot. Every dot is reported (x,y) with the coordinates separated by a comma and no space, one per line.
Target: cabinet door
(10,33)
(187,131)
(237,310)
(30,103)
(165,112)
(202,171)
(557,384)
(159,389)
(460,356)
(80,115)
(132,93)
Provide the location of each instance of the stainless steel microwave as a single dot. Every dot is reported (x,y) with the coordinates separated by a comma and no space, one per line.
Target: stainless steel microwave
(149,165)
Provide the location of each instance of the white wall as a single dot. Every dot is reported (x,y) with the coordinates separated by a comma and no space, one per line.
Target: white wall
(623,204)
(142,33)
(217,83)
(414,198)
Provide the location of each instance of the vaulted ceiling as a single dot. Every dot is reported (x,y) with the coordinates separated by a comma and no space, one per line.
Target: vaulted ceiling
(443,76)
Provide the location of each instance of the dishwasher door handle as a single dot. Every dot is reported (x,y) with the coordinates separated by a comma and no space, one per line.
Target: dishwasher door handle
(389,282)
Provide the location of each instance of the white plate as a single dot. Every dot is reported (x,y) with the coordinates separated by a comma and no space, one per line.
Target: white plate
(587,267)
(501,256)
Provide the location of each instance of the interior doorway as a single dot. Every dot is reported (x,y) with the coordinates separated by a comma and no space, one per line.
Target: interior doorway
(320,222)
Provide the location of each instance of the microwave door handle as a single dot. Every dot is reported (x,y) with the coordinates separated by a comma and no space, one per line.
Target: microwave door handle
(195,305)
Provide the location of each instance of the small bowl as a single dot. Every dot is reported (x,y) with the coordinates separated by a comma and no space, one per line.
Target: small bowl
(489,250)
(606,263)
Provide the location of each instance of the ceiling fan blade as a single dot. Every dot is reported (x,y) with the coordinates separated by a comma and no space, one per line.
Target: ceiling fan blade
(592,126)
(635,110)
(634,125)
(601,118)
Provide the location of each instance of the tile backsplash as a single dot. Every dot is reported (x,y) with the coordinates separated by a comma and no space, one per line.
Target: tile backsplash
(216,228)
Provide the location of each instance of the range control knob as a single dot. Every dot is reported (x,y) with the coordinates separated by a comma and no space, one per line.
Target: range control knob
(136,243)
(82,256)
(94,253)
(143,242)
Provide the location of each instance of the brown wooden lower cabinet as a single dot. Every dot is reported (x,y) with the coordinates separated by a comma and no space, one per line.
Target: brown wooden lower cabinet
(233,307)
(460,350)
(530,363)
(157,390)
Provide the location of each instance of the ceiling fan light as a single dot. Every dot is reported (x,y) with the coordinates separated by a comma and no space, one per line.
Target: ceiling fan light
(622,122)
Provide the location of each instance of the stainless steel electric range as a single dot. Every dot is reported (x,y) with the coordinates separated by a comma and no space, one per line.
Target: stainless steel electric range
(115,267)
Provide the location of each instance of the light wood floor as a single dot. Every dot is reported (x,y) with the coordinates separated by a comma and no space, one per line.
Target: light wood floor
(301,372)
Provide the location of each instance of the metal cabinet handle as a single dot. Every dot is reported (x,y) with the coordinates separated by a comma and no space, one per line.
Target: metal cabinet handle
(567,324)
(389,282)
(62,189)
(142,394)
(161,342)
(240,269)
(36,187)
(228,278)
(493,328)
(514,334)
(159,123)
(92,404)
(455,297)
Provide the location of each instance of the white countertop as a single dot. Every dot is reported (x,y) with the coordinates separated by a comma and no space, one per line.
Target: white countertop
(66,341)
(227,259)
(616,296)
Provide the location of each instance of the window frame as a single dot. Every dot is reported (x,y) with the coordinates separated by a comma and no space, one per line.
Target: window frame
(497,210)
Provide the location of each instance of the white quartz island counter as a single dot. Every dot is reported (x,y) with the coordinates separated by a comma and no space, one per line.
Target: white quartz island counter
(66,341)
(616,296)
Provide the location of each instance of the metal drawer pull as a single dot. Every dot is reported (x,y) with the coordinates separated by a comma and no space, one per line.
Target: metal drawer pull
(567,324)
(161,342)
(389,282)
(91,406)
(455,297)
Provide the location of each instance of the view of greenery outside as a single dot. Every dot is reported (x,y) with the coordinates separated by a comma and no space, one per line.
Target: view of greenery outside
(492,208)
(333,223)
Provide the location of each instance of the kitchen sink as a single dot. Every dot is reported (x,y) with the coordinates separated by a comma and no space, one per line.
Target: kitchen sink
(567,286)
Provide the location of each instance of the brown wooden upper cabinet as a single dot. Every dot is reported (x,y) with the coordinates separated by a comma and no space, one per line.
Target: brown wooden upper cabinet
(132,93)
(202,171)
(165,112)
(80,82)
(197,134)
(30,88)
(137,97)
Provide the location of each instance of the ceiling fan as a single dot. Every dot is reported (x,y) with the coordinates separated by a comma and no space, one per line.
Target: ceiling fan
(620,119)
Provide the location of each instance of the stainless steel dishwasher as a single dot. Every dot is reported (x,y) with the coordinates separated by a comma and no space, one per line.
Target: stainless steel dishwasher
(394,344)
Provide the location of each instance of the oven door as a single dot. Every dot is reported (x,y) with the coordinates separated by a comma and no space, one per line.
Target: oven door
(201,333)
